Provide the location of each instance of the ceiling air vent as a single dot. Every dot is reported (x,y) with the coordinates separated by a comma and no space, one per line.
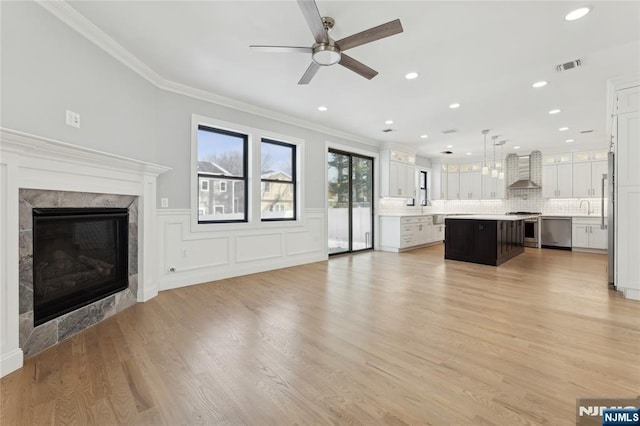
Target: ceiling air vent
(446,152)
(569,65)
(449,131)
(588,131)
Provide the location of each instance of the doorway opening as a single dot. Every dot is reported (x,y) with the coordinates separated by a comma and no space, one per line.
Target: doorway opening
(350,202)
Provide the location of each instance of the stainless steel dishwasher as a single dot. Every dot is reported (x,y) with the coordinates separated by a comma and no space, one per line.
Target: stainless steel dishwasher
(556,232)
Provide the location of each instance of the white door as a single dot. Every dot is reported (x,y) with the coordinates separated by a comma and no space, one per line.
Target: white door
(582,180)
(453,186)
(598,237)
(580,236)
(565,180)
(598,168)
(476,185)
(549,181)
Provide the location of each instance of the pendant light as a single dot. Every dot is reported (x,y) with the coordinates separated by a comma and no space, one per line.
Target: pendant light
(494,171)
(485,168)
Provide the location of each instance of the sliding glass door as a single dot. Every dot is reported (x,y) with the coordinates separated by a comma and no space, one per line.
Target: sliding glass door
(350,202)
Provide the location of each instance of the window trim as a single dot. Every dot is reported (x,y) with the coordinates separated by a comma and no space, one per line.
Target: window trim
(244,178)
(255,134)
(293,181)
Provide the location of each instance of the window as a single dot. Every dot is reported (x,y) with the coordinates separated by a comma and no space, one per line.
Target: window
(222,164)
(278,181)
(424,195)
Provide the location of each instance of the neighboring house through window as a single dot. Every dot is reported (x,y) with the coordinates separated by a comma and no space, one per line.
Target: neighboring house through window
(278,180)
(222,165)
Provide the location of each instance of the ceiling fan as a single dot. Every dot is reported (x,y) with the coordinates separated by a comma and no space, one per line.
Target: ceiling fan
(326,51)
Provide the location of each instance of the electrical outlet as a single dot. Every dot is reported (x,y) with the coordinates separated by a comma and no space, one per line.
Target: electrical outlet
(73,119)
(164,203)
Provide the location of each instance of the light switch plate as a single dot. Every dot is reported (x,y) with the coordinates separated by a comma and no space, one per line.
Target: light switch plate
(164,203)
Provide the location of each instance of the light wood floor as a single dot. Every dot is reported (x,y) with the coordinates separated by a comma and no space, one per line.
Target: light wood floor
(375,338)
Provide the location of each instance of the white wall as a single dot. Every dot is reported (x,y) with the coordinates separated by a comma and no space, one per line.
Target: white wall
(174,144)
(48,68)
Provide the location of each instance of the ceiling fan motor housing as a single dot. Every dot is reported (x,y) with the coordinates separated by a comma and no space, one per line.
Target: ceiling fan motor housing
(326,54)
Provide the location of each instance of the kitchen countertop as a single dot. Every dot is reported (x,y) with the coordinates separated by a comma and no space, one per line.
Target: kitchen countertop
(507,217)
(409,214)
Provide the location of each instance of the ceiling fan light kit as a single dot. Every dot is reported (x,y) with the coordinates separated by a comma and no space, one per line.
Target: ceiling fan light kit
(326,51)
(326,54)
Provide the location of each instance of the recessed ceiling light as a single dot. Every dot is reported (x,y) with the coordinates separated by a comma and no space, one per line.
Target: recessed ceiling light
(469,153)
(449,146)
(569,140)
(454,106)
(322,108)
(516,147)
(388,122)
(539,84)
(424,136)
(554,111)
(577,14)
(411,75)
(563,129)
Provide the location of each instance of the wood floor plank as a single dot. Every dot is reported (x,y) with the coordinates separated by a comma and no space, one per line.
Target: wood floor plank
(373,338)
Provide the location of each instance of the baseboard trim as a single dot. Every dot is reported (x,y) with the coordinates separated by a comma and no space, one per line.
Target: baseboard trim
(148,293)
(194,277)
(11,362)
(630,293)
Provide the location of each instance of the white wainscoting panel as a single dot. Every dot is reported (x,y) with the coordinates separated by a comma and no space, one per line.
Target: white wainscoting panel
(196,257)
(250,248)
(310,240)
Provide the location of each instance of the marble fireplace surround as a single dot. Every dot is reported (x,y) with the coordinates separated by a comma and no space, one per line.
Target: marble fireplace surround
(34,340)
(40,172)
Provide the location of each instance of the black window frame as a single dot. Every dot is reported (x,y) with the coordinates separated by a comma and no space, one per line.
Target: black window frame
(294,173)
(244,178)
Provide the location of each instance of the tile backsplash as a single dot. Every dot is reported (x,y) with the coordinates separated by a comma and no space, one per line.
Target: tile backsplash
(559,206)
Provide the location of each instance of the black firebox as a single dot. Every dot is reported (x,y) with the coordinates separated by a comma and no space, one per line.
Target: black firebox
(80,255)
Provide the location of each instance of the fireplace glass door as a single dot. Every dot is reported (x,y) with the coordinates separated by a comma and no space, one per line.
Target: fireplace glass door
(80,255)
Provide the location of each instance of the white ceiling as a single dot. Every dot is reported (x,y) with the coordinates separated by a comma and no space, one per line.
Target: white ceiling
(484,55)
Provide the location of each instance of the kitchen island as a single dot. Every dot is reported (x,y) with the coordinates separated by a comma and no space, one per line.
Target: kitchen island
(485,239)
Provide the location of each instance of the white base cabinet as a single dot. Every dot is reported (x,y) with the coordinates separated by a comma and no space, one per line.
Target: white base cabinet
(587,234)
(399,233)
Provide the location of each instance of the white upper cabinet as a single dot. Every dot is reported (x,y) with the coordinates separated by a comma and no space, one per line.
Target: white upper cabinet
(587,178)
(397,174)
(557,181)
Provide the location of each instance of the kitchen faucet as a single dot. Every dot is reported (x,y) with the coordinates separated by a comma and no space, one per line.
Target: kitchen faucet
(589,211)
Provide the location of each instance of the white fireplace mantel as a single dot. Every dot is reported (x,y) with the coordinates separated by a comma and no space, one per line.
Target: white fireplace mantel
(29,161)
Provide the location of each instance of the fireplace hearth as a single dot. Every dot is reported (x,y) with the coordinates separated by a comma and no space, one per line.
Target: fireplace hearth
(80,255)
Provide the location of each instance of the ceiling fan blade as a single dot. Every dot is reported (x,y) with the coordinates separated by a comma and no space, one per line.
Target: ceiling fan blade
(357,67)
(282,49)
(372,34)
(309,73)
(311,14)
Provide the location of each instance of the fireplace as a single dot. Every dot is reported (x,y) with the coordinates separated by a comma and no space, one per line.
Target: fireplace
(80,255)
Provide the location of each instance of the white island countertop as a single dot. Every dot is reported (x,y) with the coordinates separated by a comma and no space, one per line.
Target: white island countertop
(492,217)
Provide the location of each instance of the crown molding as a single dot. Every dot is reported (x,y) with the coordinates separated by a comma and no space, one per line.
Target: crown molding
(78,22)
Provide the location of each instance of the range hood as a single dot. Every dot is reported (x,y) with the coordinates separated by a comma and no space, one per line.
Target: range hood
(524,175)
